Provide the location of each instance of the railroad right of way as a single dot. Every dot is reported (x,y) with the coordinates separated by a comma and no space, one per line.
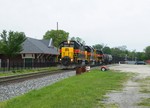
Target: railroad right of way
(10,90)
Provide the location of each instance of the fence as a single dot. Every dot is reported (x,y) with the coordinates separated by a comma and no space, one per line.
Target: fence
(5,66)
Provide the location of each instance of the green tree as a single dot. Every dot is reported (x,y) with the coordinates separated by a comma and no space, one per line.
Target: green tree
(119,53)
(98,46)
(123,48)
(140,56)
(106,50)
(132,55)
(57,35)
(78,39)
(116,51)
(147,52)
(10,43)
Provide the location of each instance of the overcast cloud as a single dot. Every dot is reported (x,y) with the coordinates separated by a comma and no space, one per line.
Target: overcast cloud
(112,22)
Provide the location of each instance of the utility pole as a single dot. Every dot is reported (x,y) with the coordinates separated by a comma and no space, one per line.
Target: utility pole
(57,26)
(57,37)
(57,31)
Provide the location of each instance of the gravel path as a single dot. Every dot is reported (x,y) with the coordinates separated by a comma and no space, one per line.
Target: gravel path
(11,90)
(130,95)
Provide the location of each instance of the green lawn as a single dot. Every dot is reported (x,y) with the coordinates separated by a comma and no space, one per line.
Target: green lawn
(81,91)
(23,71)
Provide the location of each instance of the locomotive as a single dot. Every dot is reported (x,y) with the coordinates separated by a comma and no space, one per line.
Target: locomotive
(74,54)
(94,56)
(71,54)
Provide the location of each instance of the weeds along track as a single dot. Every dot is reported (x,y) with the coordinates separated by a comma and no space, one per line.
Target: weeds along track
(27,76)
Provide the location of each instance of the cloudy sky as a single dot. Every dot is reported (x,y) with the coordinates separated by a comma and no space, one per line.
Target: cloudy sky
(111,22)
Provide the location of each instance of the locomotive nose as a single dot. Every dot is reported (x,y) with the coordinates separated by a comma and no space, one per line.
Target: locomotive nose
(66,61)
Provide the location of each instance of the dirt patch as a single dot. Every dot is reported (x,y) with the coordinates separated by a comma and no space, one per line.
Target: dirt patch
(130,96)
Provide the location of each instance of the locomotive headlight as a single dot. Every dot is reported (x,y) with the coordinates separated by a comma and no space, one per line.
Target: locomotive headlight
(68,42)
(71,60)
(60,59)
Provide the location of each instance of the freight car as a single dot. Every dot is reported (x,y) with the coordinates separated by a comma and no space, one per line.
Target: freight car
(107,59)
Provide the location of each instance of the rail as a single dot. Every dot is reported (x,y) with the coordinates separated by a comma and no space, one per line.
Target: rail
(10,79)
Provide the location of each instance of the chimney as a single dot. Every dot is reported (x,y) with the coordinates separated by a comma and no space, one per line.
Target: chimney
(50,43)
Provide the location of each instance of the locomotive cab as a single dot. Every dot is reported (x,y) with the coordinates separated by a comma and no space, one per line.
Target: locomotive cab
(71,53)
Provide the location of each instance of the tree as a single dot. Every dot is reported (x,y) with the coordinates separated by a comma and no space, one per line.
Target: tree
(78,39)
(140,56)
(119,54)
(98,46)
(147,52)
(10,43)
(123,48)
(106,50)
(132,55)
(57,35)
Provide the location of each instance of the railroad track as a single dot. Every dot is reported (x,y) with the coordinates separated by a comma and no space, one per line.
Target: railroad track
(22,77)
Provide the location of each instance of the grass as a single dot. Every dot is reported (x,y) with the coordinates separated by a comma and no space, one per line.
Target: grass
(145,88)
(145,85)
(145,102)
(81,91)
(111,105)
(23,71)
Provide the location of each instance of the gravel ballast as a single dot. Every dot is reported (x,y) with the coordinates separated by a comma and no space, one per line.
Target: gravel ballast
(15,89)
